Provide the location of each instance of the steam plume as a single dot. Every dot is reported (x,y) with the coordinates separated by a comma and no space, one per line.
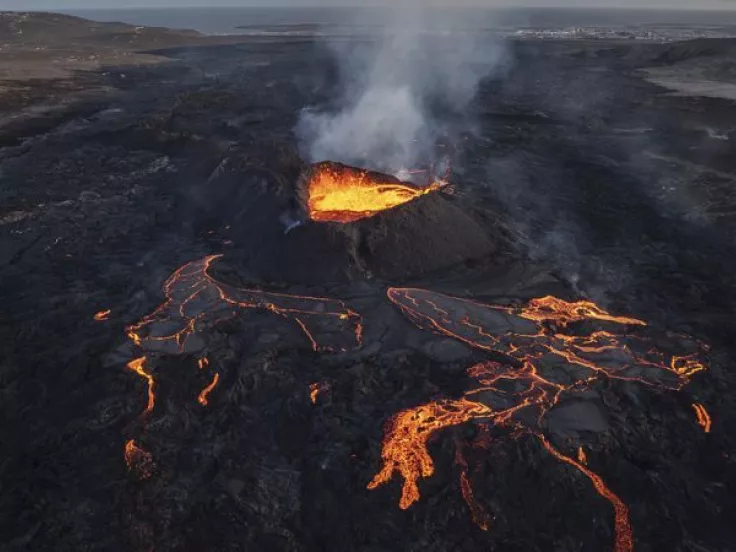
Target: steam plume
(419,64)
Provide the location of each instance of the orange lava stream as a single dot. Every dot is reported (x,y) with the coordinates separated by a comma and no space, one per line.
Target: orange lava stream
(503,393)
(552,309)
(346,195)
(480,518)
(315,389)
(624,537)
(138,460)
(203,398)
(195,300)
(703,417)
(103,315)
(405,446)
(139,367)
(582,457)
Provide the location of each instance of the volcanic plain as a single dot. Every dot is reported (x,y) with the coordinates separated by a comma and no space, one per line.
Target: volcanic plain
(191,363)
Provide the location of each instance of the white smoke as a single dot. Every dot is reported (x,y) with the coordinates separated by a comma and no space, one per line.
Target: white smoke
(421,62)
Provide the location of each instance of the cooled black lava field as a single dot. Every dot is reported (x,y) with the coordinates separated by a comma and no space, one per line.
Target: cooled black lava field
(261,424)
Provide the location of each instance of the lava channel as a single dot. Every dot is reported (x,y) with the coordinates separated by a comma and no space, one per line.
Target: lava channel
(196,301)
(518,393)
(339,193)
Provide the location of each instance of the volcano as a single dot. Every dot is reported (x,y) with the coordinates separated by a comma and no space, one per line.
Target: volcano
(353,223)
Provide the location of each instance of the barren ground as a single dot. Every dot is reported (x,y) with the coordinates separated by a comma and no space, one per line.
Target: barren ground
(601,184)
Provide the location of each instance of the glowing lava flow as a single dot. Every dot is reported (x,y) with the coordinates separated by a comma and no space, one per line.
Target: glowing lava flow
(530,381)
(196,301)
(582,457)
(624,535)
(405,447)
(315,389)
(138,460)
(139,367)
(203,398)
(102,315)
(703,417)
(338,193)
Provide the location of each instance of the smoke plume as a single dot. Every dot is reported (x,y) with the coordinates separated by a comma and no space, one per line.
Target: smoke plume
(402,89)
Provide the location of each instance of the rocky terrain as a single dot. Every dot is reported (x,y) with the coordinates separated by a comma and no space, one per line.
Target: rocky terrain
(592,183)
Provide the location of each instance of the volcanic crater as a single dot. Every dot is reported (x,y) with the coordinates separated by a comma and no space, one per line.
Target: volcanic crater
(313,234)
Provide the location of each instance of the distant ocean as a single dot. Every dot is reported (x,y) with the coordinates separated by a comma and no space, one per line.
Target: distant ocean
(275,20)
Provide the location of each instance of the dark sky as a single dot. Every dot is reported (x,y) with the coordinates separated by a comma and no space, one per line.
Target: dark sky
(118,4)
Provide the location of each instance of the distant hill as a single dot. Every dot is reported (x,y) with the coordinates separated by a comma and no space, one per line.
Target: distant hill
(38,30)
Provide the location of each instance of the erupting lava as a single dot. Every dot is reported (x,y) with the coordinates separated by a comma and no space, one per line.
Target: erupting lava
(529,382)
(339,193)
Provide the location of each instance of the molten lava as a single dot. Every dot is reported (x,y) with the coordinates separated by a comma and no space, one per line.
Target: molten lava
(703,417)
(138,460)
(315,389)
(203,398)
(195,302)
(103,315)
(338,193)
(582,457)
(624,537)
(139,367)
(480,516)
(530,381)
(405,446)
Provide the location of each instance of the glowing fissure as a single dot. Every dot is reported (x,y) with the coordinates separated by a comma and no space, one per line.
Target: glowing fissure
(531,337)
(343,194)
